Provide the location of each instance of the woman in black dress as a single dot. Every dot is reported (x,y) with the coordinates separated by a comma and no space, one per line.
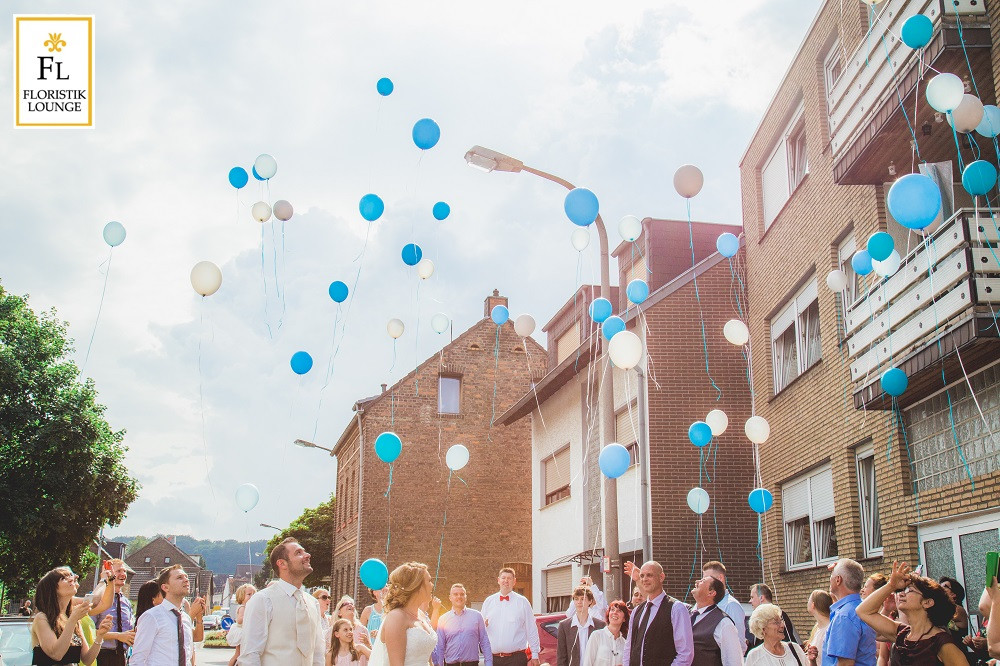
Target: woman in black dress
(56,636)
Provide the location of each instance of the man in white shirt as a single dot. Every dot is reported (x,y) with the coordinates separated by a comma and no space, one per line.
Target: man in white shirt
(729,605)
(164,637)
(716,639)
(574,632)
(510,624)
(281,625)
(600,607)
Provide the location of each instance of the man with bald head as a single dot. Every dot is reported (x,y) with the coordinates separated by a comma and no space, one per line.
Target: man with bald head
(660,629)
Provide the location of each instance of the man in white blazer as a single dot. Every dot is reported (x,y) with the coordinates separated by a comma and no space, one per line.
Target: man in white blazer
(281,625)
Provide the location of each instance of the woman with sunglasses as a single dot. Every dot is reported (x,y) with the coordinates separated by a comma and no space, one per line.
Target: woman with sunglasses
(323,597)
(925,639)
(56,636)
(346,609)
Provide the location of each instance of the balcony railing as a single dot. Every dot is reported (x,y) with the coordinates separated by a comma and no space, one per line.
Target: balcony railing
(951,278)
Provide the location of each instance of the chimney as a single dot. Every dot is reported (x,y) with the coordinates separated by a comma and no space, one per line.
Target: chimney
(493,301)
(384,387)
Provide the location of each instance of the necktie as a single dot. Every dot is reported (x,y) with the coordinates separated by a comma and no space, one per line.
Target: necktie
(303,641)
(504,597)
(181,656)
(642,625)
(119,647)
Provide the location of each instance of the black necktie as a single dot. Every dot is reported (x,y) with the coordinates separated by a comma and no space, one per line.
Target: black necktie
(181,660)
(118,607)
(642,624)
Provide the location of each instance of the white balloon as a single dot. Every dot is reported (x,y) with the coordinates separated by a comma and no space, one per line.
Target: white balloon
(887,266)
(425,268)
(967,116)
(757,429)
(524,325)
(265,166)
(836,280)
(395,328)
(580,239)
(206,278)
(736,332)
(698,500)
(945,92)
(247,497)
(261,211)
(630,228)
(625,349)
(457,457)
(717,421)
(688,181)
(283,210)
(440,322)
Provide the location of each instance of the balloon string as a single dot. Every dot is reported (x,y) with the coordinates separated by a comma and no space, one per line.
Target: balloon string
(697,295)
(388,514)
(496,371)
(277,289)
(909,457)
(694,560)
(416,345)
(393,355)
(444,525)
(329,373)
(263,277)
(531,382)
(100,306)
(201,402)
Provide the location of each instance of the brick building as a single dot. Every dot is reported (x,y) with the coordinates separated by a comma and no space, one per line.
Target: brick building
(851,475)
(453,397)
(565,419)
(149,560)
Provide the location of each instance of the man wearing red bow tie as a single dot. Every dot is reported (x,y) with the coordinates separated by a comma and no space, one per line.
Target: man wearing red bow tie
(510,624)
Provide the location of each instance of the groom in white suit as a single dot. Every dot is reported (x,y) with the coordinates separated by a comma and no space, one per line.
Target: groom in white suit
(281,625)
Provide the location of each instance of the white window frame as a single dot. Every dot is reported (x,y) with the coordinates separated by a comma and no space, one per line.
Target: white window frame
(785,147)
(845,252)
(834,55)
(792,315)
(818,507)
(868,503)
(441,394)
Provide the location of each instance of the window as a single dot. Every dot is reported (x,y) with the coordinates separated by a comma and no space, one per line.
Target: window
(449,394)
(844,254)
(166,560)
(795,337)
(626,428)
(871,527)
(558,589)
(785,168)
(555,476)
(568,343)
(833,67)
(810,526)
(148,560)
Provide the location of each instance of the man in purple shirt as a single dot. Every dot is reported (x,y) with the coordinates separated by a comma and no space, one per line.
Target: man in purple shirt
(660,629)
(122,633)
(461,634)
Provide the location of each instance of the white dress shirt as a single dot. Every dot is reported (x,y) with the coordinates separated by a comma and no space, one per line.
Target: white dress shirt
(599,610)
(726,636)
(510,624)
(603,649)
(734,609)
(257,620)
(583,634)
(156,637)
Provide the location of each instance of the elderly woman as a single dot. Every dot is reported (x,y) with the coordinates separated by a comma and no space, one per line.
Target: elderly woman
(767,625)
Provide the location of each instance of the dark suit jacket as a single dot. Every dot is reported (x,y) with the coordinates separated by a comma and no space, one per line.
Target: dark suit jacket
(569,651)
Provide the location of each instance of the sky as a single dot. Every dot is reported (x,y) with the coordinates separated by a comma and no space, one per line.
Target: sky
(610,96)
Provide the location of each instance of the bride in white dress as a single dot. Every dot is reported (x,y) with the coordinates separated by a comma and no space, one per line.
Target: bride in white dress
(405,638)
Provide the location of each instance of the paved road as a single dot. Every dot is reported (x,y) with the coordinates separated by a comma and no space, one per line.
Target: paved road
(212,656)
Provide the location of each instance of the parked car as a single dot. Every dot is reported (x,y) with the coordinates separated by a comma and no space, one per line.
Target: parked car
(15,641)
(548,625)
(212,621)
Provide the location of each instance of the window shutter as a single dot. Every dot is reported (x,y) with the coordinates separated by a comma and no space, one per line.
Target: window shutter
(774,182)
(795,500)
(557,472)
(821,490)
(625,427)
(559,582)
(568,343)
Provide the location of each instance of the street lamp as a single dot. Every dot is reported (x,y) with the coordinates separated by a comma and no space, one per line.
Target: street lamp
(270,526)
(310,445)
(488,160)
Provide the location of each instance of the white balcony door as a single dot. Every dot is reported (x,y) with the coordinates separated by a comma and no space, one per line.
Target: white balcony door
(958,548)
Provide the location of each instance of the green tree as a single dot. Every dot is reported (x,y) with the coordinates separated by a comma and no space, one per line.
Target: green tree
(314,530)
(135,544)
(62,472)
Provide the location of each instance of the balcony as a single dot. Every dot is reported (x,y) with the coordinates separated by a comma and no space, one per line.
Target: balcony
(943,298)
(868,130)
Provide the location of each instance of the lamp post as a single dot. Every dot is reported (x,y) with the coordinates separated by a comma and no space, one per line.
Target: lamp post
(309,445)
(271,527)
(305,444)
(490,160)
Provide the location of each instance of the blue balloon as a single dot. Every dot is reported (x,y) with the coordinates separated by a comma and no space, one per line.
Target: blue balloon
(384,88)
(894,382)
(114,233)
(371,207)
(979,177)
(880,246)
(914,201)
(637,291)
(426,133)
(600,310)
(862,262)
(374,574)
(302,362)
(441,210)
(989,126)
(412,254)
(581,206)
(727,244)
(499,314)
(760,499)
(338,291)
(614,460)
(917,32)
(388,446)
(256,175)
(611,326)
(700,433)
(238,177)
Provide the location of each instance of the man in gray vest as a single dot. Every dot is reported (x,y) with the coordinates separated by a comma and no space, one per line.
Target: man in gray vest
(716,640)
(659,632)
